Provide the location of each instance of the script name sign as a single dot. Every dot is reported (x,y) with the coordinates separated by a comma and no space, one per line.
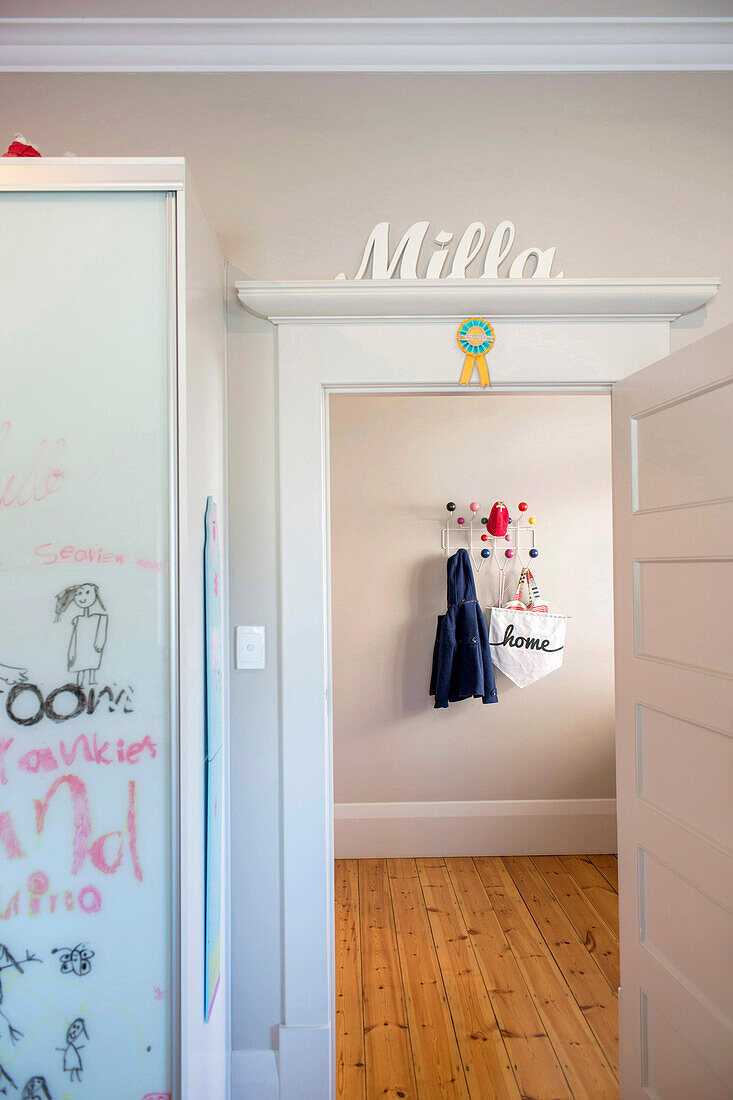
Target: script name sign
(403,262)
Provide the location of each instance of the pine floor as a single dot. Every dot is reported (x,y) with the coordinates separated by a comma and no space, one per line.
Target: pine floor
(481,978)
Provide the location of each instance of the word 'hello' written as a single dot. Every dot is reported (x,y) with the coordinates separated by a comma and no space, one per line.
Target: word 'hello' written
(37,479)
(376,262)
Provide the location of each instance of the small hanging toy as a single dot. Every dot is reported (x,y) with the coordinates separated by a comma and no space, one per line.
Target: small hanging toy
(498,521)
(19,147)
(475,337)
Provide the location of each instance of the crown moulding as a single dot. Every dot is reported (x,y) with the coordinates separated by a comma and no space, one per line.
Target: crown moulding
(341,300)
(430,45)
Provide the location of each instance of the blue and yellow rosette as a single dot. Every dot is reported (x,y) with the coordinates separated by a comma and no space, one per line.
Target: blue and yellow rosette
(475,338)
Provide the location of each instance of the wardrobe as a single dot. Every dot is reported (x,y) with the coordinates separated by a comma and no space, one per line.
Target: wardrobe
(112,440)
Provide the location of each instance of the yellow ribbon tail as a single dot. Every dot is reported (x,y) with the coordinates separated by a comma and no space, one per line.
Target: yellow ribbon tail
(467,371)
(483,371)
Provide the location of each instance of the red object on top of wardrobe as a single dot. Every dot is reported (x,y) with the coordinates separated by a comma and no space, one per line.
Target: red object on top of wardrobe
(19,148)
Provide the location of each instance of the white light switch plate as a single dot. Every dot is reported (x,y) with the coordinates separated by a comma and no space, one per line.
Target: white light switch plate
(250,647)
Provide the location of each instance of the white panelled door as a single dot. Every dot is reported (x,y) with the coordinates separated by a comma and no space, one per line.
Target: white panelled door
(673,523)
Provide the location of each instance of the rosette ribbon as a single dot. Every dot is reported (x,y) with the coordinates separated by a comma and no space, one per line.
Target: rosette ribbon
(475,338)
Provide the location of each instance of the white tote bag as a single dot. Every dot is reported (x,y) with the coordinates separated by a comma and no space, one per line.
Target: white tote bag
(526,641)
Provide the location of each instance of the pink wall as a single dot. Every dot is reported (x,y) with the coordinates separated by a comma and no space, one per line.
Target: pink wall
(395,461)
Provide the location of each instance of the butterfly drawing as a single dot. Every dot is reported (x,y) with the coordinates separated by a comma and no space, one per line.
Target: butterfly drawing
(75,960)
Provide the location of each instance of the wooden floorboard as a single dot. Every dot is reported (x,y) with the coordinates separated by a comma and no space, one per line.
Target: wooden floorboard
(593,993)
(608,866)
(597,937)
(536,1066)
(387,1049)
(438,1065)
(486,1062)
(596,888)
(583,1062)
(480,979)
(350,1066)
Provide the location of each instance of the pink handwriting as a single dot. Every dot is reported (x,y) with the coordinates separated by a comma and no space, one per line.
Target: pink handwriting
(88,898)
(38,480)
(52,553)
(4,746)
(8,837)
(156,566)
(45,760)
(81,816)
(82,827)
(96,555)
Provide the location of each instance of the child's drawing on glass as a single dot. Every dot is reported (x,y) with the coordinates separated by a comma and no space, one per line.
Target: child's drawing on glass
(75,960)
(72,1058)
(9,962)
(10,675)
(36,1089)
(88,632)
(5,1076)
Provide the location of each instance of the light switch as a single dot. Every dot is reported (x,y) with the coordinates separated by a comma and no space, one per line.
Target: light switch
(250,647)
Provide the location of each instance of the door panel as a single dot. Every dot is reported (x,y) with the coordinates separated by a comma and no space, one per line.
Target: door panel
(673,543)
(85,691)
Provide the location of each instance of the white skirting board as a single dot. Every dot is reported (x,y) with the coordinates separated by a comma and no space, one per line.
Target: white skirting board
(255,1075)
(519,827)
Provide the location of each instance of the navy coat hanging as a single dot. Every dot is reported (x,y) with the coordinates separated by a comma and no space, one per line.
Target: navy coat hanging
(462,667)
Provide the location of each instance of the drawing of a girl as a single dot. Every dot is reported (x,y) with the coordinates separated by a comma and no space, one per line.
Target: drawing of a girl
(36,1089)
(72,1058)
(88,633)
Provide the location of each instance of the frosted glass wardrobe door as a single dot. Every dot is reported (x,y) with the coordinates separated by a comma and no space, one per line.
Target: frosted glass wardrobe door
(85,661)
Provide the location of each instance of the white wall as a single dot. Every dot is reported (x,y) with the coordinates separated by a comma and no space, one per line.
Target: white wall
(625,174)
(395,461)
(255,751)
(203,439)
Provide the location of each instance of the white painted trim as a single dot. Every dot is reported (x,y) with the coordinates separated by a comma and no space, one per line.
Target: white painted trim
(432,45)
(92,173)
(343,300)
(562,826)
(306,1061)
(255,1075)
(312,359)
(520,807)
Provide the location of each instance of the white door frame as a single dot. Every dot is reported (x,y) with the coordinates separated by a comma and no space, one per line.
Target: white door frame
(594,339)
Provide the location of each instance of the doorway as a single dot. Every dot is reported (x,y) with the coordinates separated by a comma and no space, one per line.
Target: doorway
(476,938)
(573,335)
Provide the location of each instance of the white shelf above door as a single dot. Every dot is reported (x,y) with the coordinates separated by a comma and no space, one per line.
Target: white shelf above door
(344,300)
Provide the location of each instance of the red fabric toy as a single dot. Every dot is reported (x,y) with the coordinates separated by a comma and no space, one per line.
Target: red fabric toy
(498,519)
(20,148)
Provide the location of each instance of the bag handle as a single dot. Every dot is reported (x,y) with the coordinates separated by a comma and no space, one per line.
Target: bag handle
(520,585)
(533,592)
(532,585)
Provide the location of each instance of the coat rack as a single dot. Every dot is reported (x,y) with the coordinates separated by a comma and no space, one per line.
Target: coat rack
(519,538)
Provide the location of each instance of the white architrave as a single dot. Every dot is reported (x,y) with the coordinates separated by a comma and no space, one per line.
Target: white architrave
(589,344)
(427,45)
